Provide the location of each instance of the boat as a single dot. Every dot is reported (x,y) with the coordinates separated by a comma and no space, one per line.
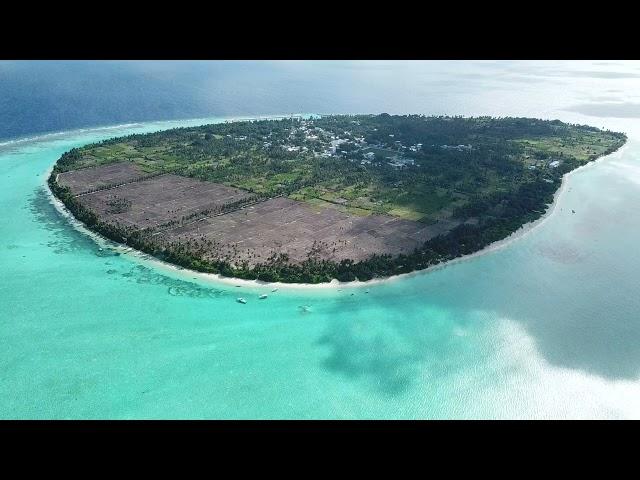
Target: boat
(241,300)
(274,290)
(263,296)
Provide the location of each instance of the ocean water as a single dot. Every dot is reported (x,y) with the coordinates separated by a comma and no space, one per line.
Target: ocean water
(545,327)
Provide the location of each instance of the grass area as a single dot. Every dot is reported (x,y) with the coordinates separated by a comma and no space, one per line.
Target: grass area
(583,146)
(407,213)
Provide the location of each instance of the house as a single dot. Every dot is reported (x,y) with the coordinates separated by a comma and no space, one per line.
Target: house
(396,164)
(457,147)
(554,164)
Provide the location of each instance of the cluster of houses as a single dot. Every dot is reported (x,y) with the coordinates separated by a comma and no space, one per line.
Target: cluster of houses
(369,157)
(400,162)
(332,148)
(552,164)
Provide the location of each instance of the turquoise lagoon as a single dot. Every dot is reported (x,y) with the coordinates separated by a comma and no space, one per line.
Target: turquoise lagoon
(544,327)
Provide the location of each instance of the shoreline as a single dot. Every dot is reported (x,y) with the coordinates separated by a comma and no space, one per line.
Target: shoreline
(524,230)
(6,142)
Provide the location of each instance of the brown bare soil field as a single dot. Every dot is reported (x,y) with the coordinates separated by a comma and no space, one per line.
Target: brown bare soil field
(162,199)
(282,225)
(251,233)
(88,179)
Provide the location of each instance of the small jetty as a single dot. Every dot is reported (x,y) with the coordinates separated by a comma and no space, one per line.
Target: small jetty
(241,300)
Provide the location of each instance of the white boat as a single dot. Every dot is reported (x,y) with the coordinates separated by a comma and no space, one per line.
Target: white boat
(241,300)
(263,296)
(274,290)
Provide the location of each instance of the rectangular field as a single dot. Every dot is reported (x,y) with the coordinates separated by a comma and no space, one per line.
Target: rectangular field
(88,179)
(159,200)
(282,225)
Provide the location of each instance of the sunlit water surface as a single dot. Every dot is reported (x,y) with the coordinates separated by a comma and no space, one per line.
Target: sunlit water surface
(546,327)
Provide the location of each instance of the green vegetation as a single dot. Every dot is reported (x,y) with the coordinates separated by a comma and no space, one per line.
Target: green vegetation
(497,172)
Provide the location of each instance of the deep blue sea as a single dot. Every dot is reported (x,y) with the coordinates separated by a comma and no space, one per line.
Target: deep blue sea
(546,326)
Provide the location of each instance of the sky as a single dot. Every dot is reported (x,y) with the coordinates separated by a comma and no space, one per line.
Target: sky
(51,96)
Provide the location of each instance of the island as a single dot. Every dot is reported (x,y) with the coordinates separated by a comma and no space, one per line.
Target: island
(316,198)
